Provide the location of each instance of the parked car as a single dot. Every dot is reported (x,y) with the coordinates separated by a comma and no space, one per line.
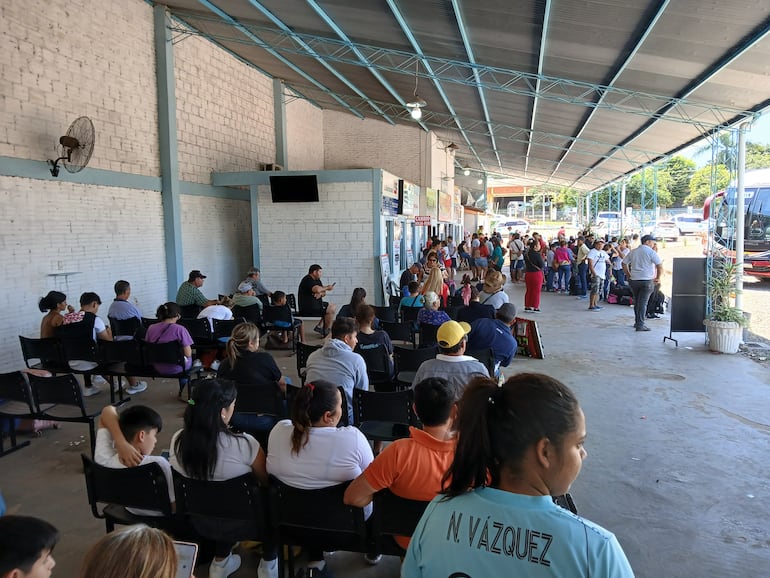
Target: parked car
(757,265)
(512,226)
(663,230)
(609,223)
(690,224)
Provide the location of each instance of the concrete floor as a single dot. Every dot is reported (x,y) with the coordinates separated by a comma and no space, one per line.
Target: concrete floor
(677,446)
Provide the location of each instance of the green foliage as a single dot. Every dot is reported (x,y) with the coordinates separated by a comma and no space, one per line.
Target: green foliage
(681,170)
(700,184)
(646,180)
(757,156)
(721,286)
(561,196)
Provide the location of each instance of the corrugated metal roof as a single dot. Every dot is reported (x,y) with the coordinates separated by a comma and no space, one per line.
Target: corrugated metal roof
(618,84)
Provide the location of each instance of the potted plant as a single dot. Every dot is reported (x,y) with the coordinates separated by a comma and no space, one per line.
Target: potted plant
(725,324)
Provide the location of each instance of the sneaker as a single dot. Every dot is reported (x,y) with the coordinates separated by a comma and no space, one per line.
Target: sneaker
(197,364)
(643,328)
(138,388)
(536,310)
(319,329)
(372,559)
(89,391)
(582,297)
(223,568)
(98,380)
(215,365)
(268,568)
(598,307)
(527,309)
(319,572)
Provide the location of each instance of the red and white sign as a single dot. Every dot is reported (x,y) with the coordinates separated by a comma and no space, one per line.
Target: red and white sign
(422,221)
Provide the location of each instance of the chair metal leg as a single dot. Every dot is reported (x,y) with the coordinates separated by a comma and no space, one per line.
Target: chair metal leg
(12,436)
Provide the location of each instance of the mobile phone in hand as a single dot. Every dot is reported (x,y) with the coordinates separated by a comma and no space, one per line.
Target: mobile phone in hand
(186,553)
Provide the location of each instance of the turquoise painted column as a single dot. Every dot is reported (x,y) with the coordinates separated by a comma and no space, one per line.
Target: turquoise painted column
(169,152)
(254,205)
(279,104)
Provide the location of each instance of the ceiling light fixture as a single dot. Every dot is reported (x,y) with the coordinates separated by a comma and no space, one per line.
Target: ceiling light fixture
(480,182)
(416,105)
(466,170)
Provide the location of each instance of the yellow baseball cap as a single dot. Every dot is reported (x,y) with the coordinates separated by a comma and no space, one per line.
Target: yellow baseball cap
(451,333)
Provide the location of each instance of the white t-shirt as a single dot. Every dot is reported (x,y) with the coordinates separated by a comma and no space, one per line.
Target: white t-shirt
(332,455)
(599,260)
(215,312)
(236,453)
(106,455)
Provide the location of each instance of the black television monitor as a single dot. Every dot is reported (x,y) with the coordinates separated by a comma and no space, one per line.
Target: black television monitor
(294,189)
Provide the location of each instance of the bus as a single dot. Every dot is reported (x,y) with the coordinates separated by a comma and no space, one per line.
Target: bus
(756,230)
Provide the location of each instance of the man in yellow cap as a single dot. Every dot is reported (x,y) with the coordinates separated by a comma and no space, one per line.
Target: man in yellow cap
(451,363)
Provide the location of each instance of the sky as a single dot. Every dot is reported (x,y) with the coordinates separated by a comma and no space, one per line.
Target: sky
(758,133)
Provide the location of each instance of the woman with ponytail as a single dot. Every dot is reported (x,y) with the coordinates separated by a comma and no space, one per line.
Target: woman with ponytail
(247,366)
(55,304)
(206,449)
(518,446)
(311,452)
(168,330)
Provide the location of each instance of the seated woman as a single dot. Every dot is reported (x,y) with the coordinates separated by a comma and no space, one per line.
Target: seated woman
(132,551)
(369,338)
(436,284)
(167,331)
(311,452)
(206,449)
(245,364)
(518,446)
(430,315)
(356,300)
(55,303)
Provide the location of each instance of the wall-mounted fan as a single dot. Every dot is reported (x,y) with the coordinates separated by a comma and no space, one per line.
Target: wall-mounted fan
(75,147)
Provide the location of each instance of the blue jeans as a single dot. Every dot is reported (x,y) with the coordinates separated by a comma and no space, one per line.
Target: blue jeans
(583,278)
(620,276)
(549,279)
(565,274)
(641,291)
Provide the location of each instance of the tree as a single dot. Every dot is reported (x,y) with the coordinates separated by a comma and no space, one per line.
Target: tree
(757,156)
(701,186)
(646,179)
(681,170)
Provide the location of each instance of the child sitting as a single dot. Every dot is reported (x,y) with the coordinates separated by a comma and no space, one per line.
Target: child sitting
(128,440)
(279,300)
(413,299)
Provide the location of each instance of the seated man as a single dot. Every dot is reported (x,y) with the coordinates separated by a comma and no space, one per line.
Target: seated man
(496,334)
(121,308)
(246,297)
(413,273)
(89,305)
(475,309)
(128,440)
(451,363)
(26,545)
(413,467)
(310,299)
(253,280)
(189,292)
(337,362)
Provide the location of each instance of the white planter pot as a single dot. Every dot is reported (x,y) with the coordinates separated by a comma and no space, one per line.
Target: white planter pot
(724,336)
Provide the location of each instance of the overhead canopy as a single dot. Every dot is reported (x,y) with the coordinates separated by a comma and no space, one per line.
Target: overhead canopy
(566,92)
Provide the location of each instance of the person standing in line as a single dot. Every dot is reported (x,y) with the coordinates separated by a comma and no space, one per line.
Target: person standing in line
(582,266)
(533,276)
(643,267)
(597,263)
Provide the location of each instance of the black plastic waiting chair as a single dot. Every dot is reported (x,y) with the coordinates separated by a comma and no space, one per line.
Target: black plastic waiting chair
(142,487)
(393,517)
(317,518)
(44,353)
(15,403)
(379,367)
(408,361)
(303,352)
(58,398)
(383,416)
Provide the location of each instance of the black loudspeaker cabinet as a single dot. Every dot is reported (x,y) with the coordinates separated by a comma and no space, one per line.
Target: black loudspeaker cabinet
(688,295)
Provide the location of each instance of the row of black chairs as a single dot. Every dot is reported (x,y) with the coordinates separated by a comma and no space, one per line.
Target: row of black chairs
(288,515)
(112,359)
(55,398)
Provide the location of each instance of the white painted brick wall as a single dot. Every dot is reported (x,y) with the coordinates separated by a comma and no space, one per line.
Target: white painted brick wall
(216,237)
(305,136)
(61,60)
(336,233)
(225,116)
(351,143)
(103,233)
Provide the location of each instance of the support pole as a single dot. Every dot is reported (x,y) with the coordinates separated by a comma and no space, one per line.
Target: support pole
(740,216)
